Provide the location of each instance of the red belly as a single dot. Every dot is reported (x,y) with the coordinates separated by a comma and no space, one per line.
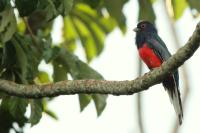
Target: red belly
(149,57)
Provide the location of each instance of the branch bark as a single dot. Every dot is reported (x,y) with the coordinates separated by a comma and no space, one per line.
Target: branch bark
(70,87)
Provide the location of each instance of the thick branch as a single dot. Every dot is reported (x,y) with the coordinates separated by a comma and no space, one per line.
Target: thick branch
(106,87)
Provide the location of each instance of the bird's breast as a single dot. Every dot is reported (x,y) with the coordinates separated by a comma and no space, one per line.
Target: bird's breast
(149,57)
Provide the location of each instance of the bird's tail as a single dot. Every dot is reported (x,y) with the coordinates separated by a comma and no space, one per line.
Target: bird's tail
(174,95)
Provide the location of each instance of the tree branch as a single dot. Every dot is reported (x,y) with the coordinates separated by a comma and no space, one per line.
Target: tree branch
(106,87)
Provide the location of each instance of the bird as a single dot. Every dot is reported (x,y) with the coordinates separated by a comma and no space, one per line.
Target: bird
(153,51)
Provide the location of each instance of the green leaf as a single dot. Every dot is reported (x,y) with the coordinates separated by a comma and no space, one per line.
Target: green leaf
(77,68)
(80,70)
(12,110)
(178,8)
(8,24)
(9,55)
(114,8)
(32,54)
(94,36)
(22,61)
(21,27)
(47,9)
(53,8)
(106,24)
(50,53)
(59,72)
(51,114)
(69,35)
(146,11)
(16,106)
(4,4)
(36,111)
(47,110)
(42,78)
(194,4)
(92,3)
(100,102)
(88,26)
(8,75)
(86,39)
(65,7)
(26,7)
(84,100)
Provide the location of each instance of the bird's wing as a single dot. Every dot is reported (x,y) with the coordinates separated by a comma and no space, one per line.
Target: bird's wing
(159,47)
(171,84)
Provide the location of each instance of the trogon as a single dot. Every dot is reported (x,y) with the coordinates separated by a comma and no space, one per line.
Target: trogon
(153,51)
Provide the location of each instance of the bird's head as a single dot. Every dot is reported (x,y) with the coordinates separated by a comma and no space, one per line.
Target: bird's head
(145,26)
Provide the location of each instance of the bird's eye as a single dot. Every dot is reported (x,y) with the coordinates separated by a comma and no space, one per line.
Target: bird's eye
(143,26)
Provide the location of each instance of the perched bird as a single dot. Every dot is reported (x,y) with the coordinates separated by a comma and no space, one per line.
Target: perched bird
(153,51)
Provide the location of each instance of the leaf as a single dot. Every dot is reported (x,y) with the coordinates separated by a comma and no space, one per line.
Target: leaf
(12,110)
(146,11)
(53,8)
(26,7)
(65,7)
(86,39)
(8,75)
(88,26)
(77,68)
(47,110)
(178,8)
(114,8)
(9,55)
(100,102)
(69,35)
(21,57)
(84,100)
(93,38)
(51,114)
(92,3)
(3,4)
(32,54)
(90,15)
(7,24)
(21,27)
(50,53)
(42,78)
(59,72)
(80,70)
(36,111)
(16,106)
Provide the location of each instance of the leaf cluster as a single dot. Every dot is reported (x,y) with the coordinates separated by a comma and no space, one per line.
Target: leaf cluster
(26,41)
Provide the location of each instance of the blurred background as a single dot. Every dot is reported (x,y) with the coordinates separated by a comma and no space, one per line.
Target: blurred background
(99,42)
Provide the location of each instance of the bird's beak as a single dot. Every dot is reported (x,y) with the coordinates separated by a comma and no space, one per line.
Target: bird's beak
(136,29)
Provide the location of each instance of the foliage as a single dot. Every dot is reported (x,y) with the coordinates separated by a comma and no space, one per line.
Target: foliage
(146,11)
(25,41)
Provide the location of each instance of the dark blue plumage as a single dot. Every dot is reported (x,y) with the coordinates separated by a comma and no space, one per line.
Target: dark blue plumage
(150,44)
